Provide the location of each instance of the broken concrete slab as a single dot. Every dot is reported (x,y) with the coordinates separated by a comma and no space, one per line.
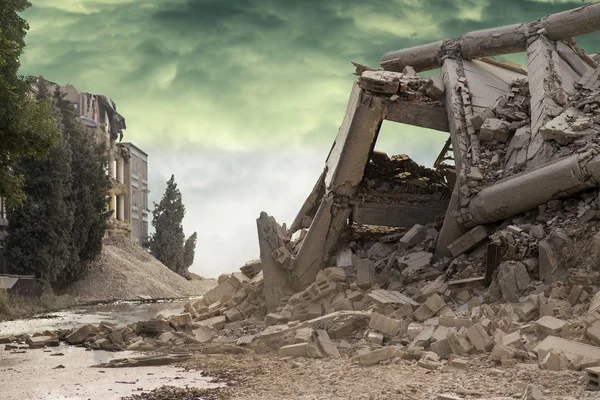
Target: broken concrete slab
(468,241)
(376,356)
(414,236)
(385,325)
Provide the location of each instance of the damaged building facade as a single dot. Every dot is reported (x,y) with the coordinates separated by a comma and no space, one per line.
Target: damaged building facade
(127,167)
(127,164)
(517,140)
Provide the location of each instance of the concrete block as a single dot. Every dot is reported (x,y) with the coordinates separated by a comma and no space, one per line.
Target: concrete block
(383,297)
(274,319)
(414,329)
(441,348)
(442,332)
(404,311)
(365,271)
(183,319)
(414,236)
(423,338)
(335,274)
(414,262)
(459,363)
(204,334)
(593,378)
(551,361)
(387,326)
(82,333)
(38,342)
(294,350)
(375,337)
(222,292)
(378,355)
(468,241)
(593,332)
(321,346)
(501,352)
(343,330)
(215,322)
(428,309)
(494,129)
(568,347)
(479,337)
(548,325)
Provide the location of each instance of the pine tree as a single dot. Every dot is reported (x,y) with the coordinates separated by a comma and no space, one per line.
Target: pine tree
(167,243)
(27,127)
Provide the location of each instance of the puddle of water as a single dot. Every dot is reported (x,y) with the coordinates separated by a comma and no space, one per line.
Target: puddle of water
(120,314)
(32,376)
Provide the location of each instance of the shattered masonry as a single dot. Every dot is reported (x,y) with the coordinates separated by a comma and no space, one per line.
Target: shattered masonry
(496,253)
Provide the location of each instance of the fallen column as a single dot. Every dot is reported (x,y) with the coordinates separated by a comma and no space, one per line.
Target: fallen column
(523,192)
(496,41)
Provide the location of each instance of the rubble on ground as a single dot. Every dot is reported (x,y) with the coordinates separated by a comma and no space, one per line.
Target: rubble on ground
(493,257)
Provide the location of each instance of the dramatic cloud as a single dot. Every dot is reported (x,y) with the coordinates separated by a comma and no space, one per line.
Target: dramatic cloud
(242,99)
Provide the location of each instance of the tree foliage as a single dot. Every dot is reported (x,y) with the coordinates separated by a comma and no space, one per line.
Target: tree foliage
(168,243)
(27,127)
(57,230)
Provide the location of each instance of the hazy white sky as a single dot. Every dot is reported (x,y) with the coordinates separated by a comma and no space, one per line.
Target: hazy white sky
(241,99)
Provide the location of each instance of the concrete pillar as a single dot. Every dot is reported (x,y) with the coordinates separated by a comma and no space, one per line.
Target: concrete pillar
(111,163)
(121,170)
(121,208)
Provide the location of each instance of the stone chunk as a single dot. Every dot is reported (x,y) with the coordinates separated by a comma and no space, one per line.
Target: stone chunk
(387,326)
(494,129)
(375,337)
(479,337)
(274,319)
(551,361)
(414,236)
(414,262)
(384,297)
(593,332)
(321,346)
(376,356)
(435,88)
(294,350)
(513,279)
(428,309)
(37,342)
(567,127)
(468,241)
(500,352)
(222,292)
(82,333)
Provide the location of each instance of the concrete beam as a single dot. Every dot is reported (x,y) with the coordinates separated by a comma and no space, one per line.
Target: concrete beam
(526,191)
(422,115)
(397,215)
(496,41)
(451,230)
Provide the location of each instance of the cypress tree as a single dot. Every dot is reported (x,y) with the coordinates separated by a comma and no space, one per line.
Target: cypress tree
(168,241)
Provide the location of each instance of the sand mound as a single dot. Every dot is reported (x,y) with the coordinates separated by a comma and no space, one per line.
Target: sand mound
(125,271)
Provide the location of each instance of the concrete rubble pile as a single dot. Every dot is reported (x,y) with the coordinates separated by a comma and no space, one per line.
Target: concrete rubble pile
(493,254)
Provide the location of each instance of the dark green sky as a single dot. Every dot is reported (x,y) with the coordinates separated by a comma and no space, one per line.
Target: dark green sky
(245,95)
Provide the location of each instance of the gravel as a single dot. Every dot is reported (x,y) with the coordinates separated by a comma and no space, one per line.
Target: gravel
(125,271)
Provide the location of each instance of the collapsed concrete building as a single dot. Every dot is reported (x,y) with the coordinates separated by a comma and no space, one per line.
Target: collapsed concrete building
(518,139)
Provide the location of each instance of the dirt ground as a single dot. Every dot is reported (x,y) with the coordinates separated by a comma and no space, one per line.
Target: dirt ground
(251,376)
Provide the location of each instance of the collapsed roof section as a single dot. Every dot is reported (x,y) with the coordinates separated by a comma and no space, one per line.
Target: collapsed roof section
(517,139)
